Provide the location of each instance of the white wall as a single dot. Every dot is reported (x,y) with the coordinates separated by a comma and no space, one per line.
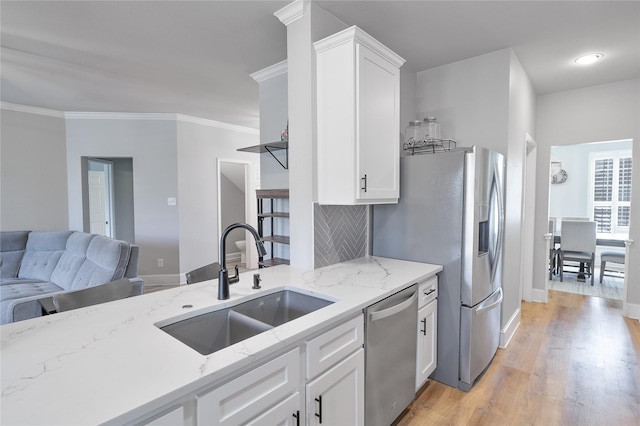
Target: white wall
(198,149)
(151,143)
(571,198)
(470,99)
(33,185)
(600,113)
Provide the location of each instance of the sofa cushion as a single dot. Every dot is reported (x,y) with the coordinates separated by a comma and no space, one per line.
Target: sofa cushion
(71,260)
(42,254)
(12,245)
(26,289)
(106,261)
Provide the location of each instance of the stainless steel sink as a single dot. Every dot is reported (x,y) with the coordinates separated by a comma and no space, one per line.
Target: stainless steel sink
(210,332)
(281,307)
(216,330)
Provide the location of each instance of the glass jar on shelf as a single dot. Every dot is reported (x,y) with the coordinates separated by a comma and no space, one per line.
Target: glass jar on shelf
(432,130)
(413,133)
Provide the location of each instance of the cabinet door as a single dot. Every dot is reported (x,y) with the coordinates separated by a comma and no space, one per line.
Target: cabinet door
(377,105)
(286,413)
(427,342)
(251,394)
(337,397)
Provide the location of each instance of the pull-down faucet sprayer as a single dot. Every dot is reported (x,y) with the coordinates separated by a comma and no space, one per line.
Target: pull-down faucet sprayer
(223,276)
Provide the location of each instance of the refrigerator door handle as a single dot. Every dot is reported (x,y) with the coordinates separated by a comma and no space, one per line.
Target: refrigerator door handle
(374,316)
(498,189)
(482,309)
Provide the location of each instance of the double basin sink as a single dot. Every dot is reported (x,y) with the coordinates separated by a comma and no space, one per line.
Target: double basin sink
(213,331)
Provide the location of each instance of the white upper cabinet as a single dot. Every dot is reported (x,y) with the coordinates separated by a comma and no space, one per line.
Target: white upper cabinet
(358,98)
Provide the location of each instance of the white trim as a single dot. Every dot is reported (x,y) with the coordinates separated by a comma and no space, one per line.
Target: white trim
(270,72)
(31,110)
(291,12)
(510,330)
(82,115)
(168,279)
(218,124)
(538,295)
(169,116)
(360,36)
(232,257)
(631,310)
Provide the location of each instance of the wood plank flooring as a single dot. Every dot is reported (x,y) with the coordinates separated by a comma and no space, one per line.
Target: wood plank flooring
(573,361)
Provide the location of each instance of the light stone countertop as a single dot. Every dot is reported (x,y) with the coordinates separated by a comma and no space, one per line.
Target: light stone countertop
(111,362)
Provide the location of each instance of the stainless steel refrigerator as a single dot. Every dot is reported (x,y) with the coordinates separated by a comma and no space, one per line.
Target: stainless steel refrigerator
(451,213)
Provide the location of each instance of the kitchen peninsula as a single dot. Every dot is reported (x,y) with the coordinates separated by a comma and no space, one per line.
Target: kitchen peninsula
(112,363)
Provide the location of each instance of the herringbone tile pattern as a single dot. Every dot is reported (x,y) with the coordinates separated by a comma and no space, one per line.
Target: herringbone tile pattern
(340,233)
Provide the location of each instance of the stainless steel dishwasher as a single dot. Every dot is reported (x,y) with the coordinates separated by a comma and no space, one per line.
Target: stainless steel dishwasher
(390,356)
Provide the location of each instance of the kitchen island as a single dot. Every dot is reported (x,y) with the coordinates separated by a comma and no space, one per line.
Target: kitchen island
(112,364)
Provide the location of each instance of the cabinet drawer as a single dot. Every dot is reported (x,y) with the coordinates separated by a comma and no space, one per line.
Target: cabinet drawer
(249,395)
(334,345)
(427,291)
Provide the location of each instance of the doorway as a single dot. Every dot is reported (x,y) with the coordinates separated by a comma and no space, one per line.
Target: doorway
(107,197)
(234,205)
(592,181)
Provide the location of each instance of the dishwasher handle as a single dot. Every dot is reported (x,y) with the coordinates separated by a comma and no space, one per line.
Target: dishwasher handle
(374,316)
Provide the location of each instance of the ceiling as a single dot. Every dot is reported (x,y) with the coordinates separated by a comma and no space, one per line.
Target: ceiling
(196,57)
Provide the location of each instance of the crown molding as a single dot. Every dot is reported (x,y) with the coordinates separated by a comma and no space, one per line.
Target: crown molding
(80,115)
(270,72)
(31,110)
(218,124)
(291,12)
(357,34)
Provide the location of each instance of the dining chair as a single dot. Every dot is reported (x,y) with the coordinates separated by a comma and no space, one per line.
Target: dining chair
(609,257)
(578,244)
(204,273)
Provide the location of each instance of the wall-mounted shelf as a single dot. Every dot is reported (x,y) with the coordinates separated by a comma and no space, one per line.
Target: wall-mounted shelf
(271,216)
(271,148)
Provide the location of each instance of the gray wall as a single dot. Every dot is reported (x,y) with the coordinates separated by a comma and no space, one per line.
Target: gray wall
(488,101)
(199,149)
(33,184)
(152,146)
(273,120)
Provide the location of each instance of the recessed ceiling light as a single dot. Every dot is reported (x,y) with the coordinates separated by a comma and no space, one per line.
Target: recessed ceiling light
(589,59)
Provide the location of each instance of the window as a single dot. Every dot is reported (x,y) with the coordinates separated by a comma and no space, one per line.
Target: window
(610,191)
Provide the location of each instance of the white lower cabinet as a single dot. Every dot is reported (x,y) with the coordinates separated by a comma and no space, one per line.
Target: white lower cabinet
(253,394)
(287,413)
(427,342)
(337,396)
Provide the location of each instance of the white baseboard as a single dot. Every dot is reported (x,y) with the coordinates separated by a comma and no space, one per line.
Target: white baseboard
(510,330)
(233,257)
(540,296)
(169,279)
(631,310)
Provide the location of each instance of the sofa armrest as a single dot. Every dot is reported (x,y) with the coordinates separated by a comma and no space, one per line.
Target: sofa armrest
(30,307)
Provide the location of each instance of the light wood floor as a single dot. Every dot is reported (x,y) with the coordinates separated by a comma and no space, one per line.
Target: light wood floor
(573,361)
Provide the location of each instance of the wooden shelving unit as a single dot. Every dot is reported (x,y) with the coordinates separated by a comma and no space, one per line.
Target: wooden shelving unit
(269,196)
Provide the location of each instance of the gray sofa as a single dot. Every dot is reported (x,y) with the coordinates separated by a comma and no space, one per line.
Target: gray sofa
(37,264)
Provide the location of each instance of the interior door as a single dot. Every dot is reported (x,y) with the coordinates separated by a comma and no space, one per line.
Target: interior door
(98,216)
